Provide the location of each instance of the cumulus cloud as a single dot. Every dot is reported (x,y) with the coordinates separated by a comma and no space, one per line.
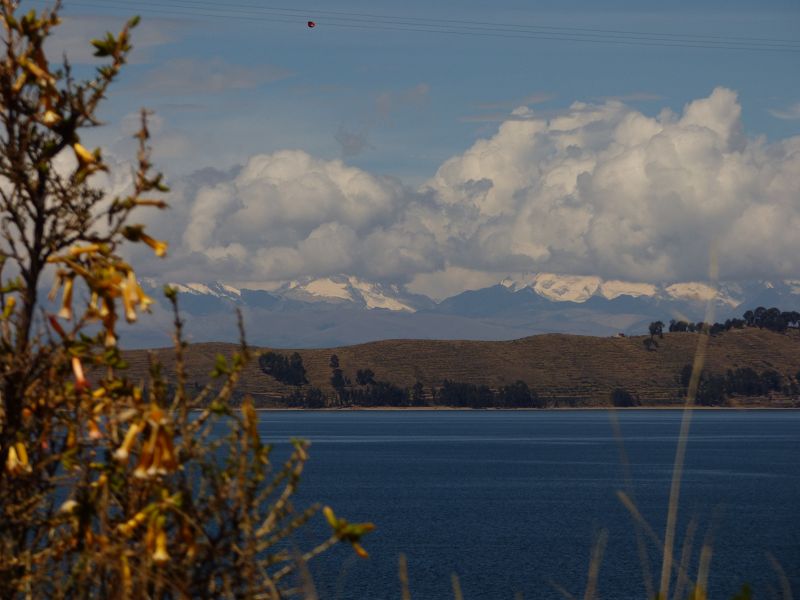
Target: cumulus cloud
(599,189)
(604,189)
(287,214)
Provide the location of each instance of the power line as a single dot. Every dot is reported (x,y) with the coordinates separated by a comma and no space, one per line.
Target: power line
(408,20)
(368,21)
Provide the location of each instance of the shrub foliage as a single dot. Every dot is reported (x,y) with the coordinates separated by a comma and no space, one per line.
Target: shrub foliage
(111,488)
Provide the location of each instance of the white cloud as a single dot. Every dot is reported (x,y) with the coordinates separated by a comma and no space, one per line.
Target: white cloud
(790,113)
(287,214)
(600,189)
(604,189)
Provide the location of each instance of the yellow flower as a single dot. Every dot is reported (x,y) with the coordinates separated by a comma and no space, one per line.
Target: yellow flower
(50,118)
(144,300)
(17,460)
(90,249)
(68,507)
(66,299)
(80,379)
(94,430)
(360,550)
(82,154)
(159,247)
(127,301)
(161,556)
(121,454)
(20,82)
(146,467)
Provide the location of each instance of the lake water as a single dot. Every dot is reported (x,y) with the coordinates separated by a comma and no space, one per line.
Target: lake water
(512,502)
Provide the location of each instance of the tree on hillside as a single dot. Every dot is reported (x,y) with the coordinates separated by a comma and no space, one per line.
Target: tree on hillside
(678,326)
(109,487)
(418,394)
(286,370)
(656,328)
(365,377)
(338,381)
(622,398)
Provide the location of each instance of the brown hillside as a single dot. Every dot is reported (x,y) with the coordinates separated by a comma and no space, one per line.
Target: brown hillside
(569,369)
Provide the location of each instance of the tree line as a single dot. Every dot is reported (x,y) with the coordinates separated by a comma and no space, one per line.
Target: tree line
(715,389)
(370,392)
(773,319)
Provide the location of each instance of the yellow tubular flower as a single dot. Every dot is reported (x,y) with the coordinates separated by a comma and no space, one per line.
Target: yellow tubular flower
(50,118)
(127,302)
(159,247)
(90,249)
(20,82)
(82,154)
(94,430)
(109,321)
(168,460)
(12,461)
(68,507)
(161,556)
(80,379)
(121,454)
(142,299)
(66,300)
(17,460)
(360,550)
(103,308)
(147,456)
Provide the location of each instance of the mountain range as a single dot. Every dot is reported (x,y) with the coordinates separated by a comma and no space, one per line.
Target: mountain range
(343,310)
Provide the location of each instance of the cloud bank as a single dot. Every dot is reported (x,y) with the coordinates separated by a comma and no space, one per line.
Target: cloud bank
(599,189)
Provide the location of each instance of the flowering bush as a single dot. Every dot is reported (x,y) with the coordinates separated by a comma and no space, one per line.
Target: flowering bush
(110,488)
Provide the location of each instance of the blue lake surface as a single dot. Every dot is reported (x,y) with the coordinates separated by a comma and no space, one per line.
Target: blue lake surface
(513,501)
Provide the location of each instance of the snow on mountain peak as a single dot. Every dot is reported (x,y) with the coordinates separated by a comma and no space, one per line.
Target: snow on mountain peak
(348,289)
(566,288)
(614,288)
(514,285)
(328,288)
(696,291)
(375,296)
(218,290)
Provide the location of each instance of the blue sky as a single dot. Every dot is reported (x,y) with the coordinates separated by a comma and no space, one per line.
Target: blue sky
(230,81)
(417,98)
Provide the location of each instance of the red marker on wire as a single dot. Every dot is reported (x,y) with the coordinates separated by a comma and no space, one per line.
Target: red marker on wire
(311,24)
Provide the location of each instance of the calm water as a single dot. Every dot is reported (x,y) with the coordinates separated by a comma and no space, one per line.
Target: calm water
(513,501)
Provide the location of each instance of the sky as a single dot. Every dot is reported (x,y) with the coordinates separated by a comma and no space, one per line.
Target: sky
(446,145)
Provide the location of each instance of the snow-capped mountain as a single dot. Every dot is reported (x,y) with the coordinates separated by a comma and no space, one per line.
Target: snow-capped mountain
(347,289)
(579,289)
(339,310)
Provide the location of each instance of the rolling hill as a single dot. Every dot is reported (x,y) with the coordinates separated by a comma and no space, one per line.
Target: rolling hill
(567,370)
